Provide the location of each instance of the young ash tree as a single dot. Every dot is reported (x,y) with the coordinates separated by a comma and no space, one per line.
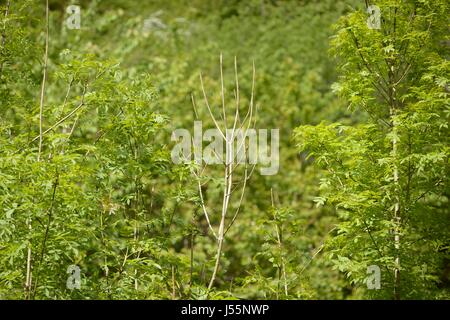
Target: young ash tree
(388,177)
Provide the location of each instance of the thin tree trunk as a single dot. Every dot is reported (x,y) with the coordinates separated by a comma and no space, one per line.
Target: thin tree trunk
(396,213)
(44,79)
(218,254)
(28,280)
(396,216)
(226,198)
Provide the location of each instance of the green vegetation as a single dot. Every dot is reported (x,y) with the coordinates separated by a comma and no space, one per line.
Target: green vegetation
(88,181)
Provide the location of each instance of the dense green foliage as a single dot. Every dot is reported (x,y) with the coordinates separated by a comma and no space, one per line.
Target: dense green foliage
(388,176)
(87,179)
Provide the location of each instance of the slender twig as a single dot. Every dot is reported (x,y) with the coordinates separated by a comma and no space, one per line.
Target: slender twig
(209,108)
(240,202)
(44,78)
(205,211)
(70,114)
(222,90)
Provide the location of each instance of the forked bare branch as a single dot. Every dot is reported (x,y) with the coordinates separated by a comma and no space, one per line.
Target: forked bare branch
(229,169)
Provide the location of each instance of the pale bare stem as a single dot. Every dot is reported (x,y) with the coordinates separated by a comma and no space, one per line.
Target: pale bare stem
(254,126)
(230,184)
(403,75)
(44,79)
(229,167)
(64,130)
(200,191)
(194,106)
(71,113)
(245,118)
(221,228)
(256,116)
(201,173)
(222,92)
(209,109)
(205,211)
(246,177)
(251,171)
(237,82)
(312,258)
(228,163)
(228,178)
(101,73)
(249,113)
(250,109)
(217,156)
(69,87)
(236,116)
(396,214)
(397,219)
(244,184)
(227,186)
(219,252)
(28,279)
(73,127)
(124,259)
(253,84)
